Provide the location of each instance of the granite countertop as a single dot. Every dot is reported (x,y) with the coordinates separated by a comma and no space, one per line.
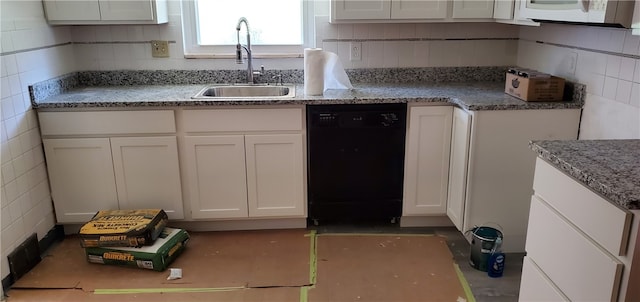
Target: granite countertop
(470,96)
(468,88)
(609,167)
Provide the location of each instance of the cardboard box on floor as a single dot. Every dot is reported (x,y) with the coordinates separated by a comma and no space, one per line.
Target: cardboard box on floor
(156,257)
(110,228)
(549,89)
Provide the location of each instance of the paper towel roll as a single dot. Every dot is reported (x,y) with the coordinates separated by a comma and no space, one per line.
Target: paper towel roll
(313,71)
(323,70)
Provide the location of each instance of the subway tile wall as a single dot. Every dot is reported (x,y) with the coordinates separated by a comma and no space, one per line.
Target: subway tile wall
(607,60)
(31,51)
(420,44)
(383,45)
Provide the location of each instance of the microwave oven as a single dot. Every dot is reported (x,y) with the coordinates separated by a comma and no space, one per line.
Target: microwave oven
(614,13)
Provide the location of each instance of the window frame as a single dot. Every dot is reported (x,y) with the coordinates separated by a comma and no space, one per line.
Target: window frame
(192,50)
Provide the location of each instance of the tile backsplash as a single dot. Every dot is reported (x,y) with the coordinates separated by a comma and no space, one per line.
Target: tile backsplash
(607,60)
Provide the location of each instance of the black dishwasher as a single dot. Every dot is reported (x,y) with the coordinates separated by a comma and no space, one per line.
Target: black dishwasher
(355,162)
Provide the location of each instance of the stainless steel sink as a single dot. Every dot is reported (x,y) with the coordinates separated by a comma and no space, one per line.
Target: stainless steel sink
(248,92)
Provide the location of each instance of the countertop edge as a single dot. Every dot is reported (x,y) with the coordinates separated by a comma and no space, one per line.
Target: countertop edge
(612,194)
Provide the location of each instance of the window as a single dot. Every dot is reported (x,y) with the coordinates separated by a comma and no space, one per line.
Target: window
(279,28)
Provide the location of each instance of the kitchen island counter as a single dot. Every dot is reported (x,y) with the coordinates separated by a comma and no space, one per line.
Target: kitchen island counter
(609,167)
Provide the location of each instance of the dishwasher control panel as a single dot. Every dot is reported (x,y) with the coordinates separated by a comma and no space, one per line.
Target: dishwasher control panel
(350,117)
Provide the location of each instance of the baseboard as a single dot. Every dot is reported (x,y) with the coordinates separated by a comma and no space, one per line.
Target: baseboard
(425,221)
(234,225)
(55,234)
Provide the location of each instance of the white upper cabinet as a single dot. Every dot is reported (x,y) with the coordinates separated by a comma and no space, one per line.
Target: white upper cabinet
(472,9)
(509,12)
(57,10)
(106,11)
(415,11)
(411,9)
(356,10)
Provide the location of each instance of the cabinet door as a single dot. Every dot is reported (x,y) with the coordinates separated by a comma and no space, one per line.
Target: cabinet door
(503,9)
(275,175)
(427,160)
(580,268)
(412,9)
(472,9)
(536,286)
(138,10)
(217,180)
(460,133)
(81,177)
(63,10)
(147,174)
(360,9)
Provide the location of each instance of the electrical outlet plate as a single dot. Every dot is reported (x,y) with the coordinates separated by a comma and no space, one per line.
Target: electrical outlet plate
(356,51)
(159,49)
(571,62)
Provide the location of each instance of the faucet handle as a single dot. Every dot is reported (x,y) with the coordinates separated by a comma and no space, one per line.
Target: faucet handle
(259,73)
(278,78)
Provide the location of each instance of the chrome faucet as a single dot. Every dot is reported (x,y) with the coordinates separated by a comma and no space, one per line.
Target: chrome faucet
(250,72)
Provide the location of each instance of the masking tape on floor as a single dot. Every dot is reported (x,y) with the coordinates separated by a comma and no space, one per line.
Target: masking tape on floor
(464,283)
(313,257)
(304,293)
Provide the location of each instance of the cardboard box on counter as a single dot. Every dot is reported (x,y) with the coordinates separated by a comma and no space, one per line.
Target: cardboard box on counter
(156,257)
(537,89)
(123,228)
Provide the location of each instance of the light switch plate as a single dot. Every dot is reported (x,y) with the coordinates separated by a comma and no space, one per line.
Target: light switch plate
(159,49)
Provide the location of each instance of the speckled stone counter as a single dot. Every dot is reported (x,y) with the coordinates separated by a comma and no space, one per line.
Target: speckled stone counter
(461,87)
(609,167)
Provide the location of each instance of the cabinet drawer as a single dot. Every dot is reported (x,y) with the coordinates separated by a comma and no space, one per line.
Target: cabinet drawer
(243,120)
(107,122)
(536,286)
(580,205)
(581,269)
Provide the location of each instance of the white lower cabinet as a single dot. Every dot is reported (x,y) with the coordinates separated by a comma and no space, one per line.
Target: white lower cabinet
(217,176)
(148,174)
(491,167)
(460,135)
(81,177)
(574,241)
(102,160)
(578,266)
(92,174)
(539,286)
(251,166)
(275,176)
(238,176)
(427,160)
